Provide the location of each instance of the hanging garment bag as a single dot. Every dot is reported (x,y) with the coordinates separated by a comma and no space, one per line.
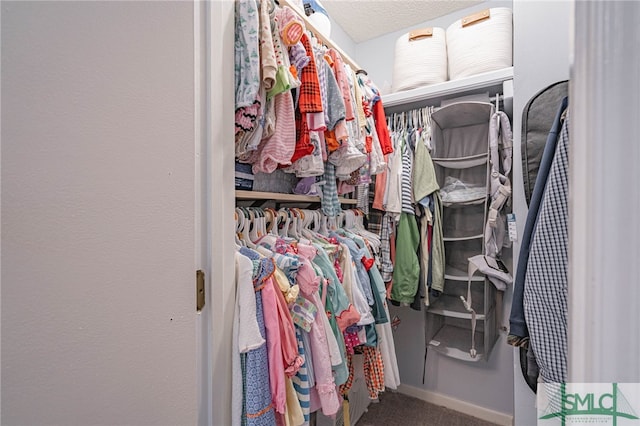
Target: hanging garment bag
(537,118)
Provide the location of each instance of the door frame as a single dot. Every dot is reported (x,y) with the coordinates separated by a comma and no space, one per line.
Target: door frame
(214,173)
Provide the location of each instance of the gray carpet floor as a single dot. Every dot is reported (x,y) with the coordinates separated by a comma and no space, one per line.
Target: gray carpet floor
(396,409)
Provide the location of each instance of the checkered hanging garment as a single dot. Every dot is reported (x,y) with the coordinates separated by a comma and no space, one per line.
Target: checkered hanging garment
(545,287)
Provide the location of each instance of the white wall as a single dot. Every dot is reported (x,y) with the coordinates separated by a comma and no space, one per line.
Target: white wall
(540,59)
(342,39)
(98,315)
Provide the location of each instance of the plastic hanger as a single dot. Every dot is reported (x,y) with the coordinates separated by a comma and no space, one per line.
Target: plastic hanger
(248,224)
(283,231)
(332,224)
(307,219)
(254,234)
(293,227)
(337,222)
(239,222)
(262,230)
(277,223)
(237,217)
(348,219)
(241,225)
(304,224)
(317,221)
(360,221)
(269,220)
(311,220)
(324,229)
(299,215)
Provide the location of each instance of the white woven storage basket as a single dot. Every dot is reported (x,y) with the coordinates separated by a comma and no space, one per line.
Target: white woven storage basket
(480,42)
(420,59)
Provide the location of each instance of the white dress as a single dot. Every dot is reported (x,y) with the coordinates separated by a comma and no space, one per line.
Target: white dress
(246,334)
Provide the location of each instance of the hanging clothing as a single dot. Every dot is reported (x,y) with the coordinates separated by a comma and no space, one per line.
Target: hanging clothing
(373,371)
(424,173)
(247,57)
(246,331)
(336,304)
(393,194)
(279,148)
(518,332)
(432,258)
(258,409)
(274,338)
(317,297)
(285,78)
(545,289)
(380,186)
(386,346)
(407,176)
(436,242)
(346,387)
(329,200)
(353,289)
(295,415)
(406,271)
(310,95)
(339,69)
(500,148)
(381,128)
(269,66)
(301,380)
(334,107)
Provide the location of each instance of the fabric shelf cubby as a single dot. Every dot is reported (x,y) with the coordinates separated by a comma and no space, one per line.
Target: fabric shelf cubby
(460,139)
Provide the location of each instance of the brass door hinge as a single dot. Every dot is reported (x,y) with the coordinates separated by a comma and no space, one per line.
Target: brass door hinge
(199,290)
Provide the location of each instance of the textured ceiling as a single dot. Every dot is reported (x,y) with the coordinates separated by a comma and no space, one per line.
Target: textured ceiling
(364,20)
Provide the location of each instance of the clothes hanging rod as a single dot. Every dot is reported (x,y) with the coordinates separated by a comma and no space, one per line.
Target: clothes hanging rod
(325,40)
(492,100)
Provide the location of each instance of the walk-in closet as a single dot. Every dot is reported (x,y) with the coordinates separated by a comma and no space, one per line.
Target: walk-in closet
(320,212)
(425,165)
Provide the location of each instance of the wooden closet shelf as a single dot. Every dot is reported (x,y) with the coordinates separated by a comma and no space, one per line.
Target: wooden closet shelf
(284,198)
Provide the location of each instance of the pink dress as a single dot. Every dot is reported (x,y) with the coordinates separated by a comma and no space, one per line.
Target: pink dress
(279,147)
(325,387)
(274,343)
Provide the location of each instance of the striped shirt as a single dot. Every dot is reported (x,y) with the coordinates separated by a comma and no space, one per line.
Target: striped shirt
(388,229)
(407,173)
(363,198)
(329,201)
(301,381)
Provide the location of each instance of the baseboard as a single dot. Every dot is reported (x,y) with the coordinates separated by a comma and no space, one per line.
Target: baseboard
(483,413)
